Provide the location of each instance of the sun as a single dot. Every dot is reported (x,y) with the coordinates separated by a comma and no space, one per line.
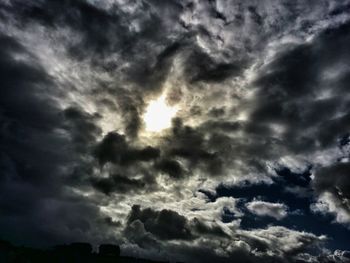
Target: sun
(158,115)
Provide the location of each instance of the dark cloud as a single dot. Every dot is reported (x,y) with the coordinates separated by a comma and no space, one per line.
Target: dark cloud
(336,256)
(82,17)
(217,112)
(200,66)
(116,183)
(290,83)
(152,76)
(164,224)
(224,126)
(261,132)
(334,179)
(34,153)
(188,143)
(171,167)
(25,127)
(285,76)
(288,87)
(28,79)
(255,15)
(114,148)
(109,221)
(82,126)
(203,229)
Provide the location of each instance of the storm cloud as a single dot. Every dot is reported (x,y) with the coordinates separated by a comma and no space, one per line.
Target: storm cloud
(254,166)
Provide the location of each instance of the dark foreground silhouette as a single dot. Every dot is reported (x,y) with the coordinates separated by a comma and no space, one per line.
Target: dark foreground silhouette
(73,253)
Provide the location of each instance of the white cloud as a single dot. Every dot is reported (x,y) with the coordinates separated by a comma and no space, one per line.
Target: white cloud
(261,208)
(328,204)
(281,240)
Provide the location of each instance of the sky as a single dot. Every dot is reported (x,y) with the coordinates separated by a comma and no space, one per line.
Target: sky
(189,130)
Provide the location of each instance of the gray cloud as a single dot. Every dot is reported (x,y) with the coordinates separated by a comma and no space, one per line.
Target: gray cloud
(164,224)
(332,185)
(259,86)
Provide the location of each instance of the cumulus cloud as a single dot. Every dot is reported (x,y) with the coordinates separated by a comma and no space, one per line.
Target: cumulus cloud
(147,228)
(281,241)
(328,203)
(261,208)
(164,224)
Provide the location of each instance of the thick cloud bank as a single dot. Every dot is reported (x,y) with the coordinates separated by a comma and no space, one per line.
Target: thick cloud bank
(255,166)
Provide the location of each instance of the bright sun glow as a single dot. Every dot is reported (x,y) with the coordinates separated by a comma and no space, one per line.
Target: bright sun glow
(158,115)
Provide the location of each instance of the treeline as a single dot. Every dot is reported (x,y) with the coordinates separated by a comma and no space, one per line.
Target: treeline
(72,253)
